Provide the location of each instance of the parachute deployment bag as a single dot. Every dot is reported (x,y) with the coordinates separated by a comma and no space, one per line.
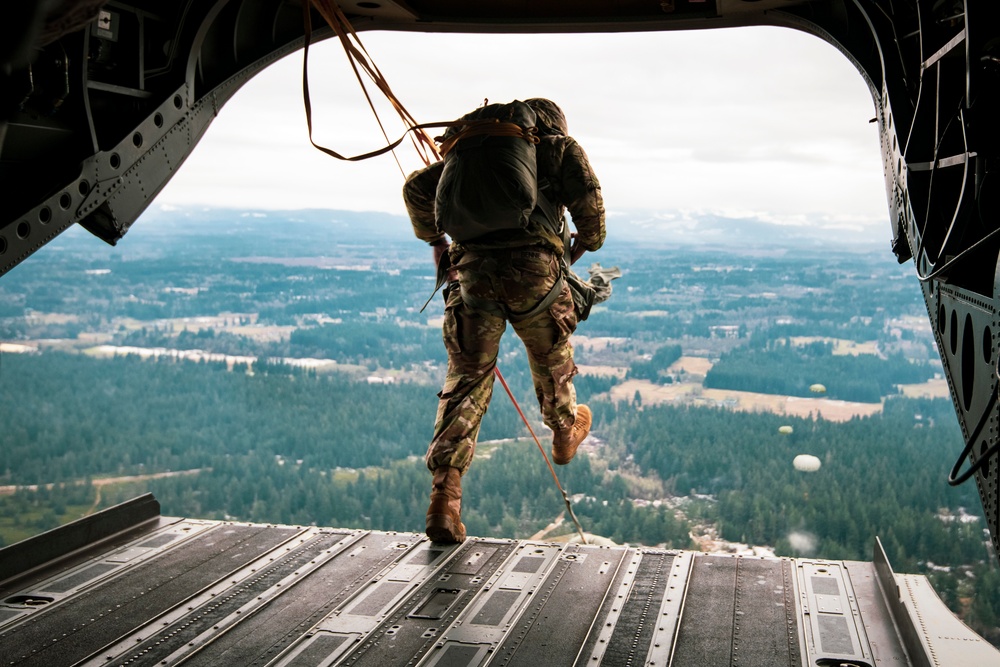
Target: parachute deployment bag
(490,177)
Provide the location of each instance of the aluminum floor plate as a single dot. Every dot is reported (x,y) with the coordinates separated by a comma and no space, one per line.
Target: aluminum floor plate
(192,592)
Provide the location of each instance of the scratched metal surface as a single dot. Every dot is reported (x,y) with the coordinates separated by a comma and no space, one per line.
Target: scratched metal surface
(197,592)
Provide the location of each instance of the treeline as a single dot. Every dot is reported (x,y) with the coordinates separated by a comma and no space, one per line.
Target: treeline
(72,416)
(126,415)
(656,367)
(283,446)
(786,369)
(29,512)
(387,344)
(883,475)
(510,493)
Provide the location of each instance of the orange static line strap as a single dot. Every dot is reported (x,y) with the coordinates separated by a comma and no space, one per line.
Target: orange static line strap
(335,17)
(492,127)
(343,29)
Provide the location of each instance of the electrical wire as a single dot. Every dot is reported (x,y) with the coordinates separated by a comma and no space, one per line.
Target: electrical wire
(954,479)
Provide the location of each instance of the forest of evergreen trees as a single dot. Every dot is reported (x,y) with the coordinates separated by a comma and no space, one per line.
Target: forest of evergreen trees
(328,450)
(656,366)
(782,368)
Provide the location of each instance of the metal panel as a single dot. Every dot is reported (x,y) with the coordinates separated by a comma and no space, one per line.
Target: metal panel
(475,560)
(117,559)
(320,651)
(634,631)
(287,619)
(437,605)
(945,640)
(668,620)
(221,594)
(890,589)
(8,614)
(705,635)
(765,632)
(607,619)
(455,654)
(215,611)
(504,597)
(377,599)
(562,613)
(495,610)
(79,578)
(882,635)
(73,629)
(447,588)
(16,559)
(830,614)
(759,629)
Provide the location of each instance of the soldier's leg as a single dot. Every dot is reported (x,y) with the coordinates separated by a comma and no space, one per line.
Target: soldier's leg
(472,340)
(550,355)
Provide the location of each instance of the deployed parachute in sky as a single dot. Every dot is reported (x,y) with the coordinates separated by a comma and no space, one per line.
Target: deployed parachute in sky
(785,430)
(806,463)
(817,388)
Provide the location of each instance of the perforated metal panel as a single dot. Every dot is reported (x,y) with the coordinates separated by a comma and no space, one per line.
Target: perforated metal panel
(206,593)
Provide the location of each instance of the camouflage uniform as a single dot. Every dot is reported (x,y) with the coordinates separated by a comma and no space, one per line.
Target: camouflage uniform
(515,269)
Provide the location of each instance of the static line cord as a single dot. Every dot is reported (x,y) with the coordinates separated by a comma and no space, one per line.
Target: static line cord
(569,507)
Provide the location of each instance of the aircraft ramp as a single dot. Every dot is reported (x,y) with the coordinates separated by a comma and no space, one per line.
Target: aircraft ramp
(129,587)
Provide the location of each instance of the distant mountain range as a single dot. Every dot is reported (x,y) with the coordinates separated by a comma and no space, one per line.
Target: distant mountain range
(294,231)
(676,228)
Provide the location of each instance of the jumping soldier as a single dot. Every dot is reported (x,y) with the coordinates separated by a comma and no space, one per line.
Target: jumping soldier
(513,274)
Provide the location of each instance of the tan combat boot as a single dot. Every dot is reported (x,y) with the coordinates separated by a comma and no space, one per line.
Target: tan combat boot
(565,441)
(444,520)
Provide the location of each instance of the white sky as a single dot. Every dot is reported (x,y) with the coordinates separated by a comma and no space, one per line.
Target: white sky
(761,122)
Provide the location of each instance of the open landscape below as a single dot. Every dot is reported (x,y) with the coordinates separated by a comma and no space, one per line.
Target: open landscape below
(281,371)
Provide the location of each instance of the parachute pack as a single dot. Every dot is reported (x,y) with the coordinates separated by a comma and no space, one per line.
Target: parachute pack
(490,177)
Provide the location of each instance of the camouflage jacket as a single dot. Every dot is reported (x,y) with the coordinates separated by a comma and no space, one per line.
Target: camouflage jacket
(562,162)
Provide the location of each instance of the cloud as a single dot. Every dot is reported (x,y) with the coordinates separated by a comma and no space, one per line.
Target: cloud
(762,119)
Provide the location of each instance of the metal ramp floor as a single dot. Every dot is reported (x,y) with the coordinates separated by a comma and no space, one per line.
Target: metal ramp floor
(129,587)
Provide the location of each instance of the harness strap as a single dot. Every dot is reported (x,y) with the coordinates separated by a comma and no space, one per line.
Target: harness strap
(358,57)
(487,126)
(499,310)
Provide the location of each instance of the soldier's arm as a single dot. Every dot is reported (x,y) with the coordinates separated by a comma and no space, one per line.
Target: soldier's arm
(419,192)
(581,193)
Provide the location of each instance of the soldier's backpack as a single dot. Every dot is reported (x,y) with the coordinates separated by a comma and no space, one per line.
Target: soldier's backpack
(490,177)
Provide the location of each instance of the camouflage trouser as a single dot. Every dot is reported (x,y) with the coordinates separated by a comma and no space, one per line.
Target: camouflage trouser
(518,279)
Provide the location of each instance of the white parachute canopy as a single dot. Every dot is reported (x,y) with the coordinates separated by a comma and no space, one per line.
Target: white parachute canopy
(806,463)
(786,430)
(817,388)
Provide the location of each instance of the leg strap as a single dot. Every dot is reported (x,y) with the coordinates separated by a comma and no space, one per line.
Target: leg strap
(500,310)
